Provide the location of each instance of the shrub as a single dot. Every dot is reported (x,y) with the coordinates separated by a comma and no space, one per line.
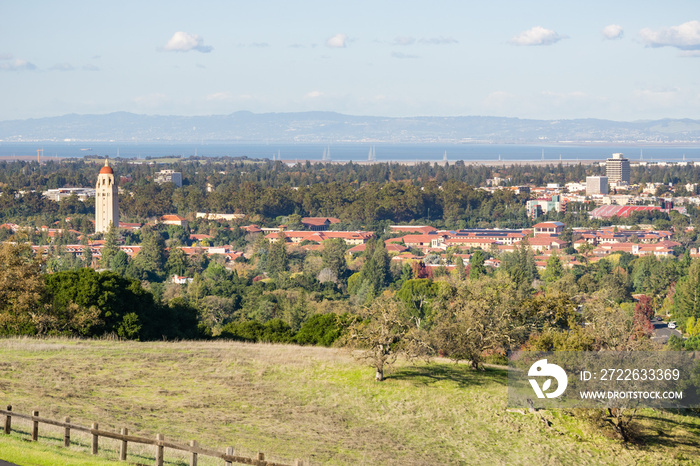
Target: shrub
(321,329)
(692,343)
(273,331)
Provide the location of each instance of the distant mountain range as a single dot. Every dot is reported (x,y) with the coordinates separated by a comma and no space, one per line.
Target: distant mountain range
(329,127)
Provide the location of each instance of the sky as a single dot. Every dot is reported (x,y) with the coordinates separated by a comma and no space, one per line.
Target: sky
(622,60)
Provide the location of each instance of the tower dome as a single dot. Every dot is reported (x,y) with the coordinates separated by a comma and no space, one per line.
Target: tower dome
(107,169)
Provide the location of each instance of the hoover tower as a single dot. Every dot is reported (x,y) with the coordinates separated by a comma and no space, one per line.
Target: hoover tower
(106,200)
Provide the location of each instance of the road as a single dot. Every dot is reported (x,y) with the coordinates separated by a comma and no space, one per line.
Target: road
(662,333)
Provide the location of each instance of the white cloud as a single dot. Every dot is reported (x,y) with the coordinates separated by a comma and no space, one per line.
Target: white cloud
(536,36)
(62,67)
(498,98)
(151,100)
(16,65)
(404,40)
(338,41)
(90,67)
(561,96)
(184,42)
(657,96)
(439,40)
(408,40)
(403,55)
(219,96)
(613,31)
(313,94)
(684,37)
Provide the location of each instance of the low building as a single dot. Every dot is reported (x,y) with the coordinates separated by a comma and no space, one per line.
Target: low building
(538,207)
(181,280)
(169,176)
(350,237)
(319,223)
(129,226)
(391,248)
(173,220)
(58,195)
(660,249)
(412,228)
(212,216)
(548,228)
(545,243)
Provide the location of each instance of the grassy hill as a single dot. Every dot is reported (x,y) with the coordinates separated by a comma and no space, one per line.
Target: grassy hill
(315,404)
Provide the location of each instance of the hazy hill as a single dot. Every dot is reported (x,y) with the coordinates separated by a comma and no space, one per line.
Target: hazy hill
(329,127)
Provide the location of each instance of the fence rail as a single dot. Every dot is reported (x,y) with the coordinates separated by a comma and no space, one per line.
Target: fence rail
(159,441)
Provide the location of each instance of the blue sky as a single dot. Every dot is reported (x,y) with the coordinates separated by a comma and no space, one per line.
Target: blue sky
(620,60)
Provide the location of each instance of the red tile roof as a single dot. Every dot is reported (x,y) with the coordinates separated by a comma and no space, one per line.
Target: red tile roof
(172,218)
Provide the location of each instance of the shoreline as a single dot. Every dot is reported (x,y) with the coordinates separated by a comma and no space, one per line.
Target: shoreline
(490,163)
(410,163)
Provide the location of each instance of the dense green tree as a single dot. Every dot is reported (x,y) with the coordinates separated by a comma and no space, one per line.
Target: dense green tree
(177,263)
(459,268)
(333,256)
(375,271)
(417,296)
(122,307)
(686,301)
(87,251)
(149,263)
(278,258)
(109,248)
(21,288)
(554,269)
(476,265)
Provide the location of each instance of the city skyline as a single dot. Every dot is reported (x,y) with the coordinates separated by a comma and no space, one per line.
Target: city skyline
(545,60)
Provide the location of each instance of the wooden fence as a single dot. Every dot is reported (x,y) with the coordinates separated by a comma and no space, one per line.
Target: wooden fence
(158,442)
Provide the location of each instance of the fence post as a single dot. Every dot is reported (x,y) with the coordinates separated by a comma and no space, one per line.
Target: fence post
(229,451)
(66,433)
(261,457)
(35,426)
(159,450)
(94,438)
(193,457)
(122,448)
(8,420)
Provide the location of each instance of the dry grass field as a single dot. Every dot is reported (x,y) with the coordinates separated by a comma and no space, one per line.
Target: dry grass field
(315,404)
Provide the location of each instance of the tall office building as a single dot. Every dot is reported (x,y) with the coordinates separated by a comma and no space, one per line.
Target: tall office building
(106,200)
(618,169)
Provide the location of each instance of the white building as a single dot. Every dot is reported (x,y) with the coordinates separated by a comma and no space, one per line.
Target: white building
(169,176)
(213,216)
(596,185)
(62,193)
(106,200)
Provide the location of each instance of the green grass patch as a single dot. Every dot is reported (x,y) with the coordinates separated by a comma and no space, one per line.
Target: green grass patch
(315,404)
(18,450)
